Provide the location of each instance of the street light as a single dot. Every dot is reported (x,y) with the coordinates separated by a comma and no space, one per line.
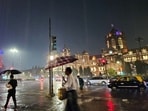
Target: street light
(51,57)
(14,50)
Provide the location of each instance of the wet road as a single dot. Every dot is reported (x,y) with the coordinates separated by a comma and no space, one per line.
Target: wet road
(122,100)
(32,96)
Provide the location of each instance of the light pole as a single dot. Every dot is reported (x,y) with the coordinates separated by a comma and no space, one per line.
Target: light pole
(13,51)
(51,93)
(51,48)
(139,40)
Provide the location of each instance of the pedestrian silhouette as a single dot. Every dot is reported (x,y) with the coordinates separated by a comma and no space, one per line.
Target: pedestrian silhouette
(81,83)
(11,85)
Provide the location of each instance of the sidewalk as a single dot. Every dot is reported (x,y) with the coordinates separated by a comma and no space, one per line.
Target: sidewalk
(39,102)
(33,96)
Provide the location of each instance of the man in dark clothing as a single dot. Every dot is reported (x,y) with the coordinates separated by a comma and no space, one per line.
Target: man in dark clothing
(81,82)
(11,91)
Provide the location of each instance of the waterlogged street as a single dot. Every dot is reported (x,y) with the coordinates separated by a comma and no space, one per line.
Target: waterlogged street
(33,96)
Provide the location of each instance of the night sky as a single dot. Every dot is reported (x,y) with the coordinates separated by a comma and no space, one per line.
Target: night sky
(78,24)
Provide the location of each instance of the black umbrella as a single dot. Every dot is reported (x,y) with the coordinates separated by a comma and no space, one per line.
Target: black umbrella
(59,61)
(11,71)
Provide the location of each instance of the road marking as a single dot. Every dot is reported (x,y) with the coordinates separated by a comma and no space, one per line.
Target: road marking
(85,101)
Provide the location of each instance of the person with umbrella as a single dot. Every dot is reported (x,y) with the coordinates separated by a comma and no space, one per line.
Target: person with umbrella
(11,85)
(71,87)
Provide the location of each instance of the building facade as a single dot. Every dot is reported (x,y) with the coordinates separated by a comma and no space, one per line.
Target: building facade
(113,57)
(117,52)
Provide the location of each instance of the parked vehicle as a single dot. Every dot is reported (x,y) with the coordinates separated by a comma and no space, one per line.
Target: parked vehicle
(114,78)
(128,82)
(85,80)
(146,81)
(98,80)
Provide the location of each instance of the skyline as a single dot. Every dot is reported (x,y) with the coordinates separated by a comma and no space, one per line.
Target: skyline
(78,24)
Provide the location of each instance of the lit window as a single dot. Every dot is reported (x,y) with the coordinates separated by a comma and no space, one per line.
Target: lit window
(110,35)
(110,52)
(130,52)
(113,43)
(144,50)
(94,69)
(94,63)
(120,42)
(145,57)
(107,44)
(93,58)
(133,58)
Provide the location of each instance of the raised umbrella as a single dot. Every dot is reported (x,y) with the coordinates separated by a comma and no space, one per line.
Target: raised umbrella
(11,71)
(59,61)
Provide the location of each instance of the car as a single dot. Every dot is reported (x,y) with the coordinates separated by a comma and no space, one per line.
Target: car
(128,82)
(146,81)
(114,78)
(85,79)
(97,80)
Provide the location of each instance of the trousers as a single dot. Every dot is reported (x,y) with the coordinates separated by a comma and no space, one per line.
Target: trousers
(11,93)
(72,104)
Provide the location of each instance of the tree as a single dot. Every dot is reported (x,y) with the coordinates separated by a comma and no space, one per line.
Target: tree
(111,72)
(75,71)
(140,67)
(127,68)
(80,70)
(87,71)
(146,67)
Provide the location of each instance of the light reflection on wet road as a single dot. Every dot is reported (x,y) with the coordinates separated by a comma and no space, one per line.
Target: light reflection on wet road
(32,96)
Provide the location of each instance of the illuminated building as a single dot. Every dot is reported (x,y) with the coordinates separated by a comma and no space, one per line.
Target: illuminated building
(112,58)
(137,54)
(117,53)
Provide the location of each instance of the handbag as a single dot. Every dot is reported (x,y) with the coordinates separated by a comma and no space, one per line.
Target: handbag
(9,86)
(62,93)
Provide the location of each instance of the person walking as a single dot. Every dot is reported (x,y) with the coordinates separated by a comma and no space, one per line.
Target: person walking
(11,85)
(81,83)
(71,87)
